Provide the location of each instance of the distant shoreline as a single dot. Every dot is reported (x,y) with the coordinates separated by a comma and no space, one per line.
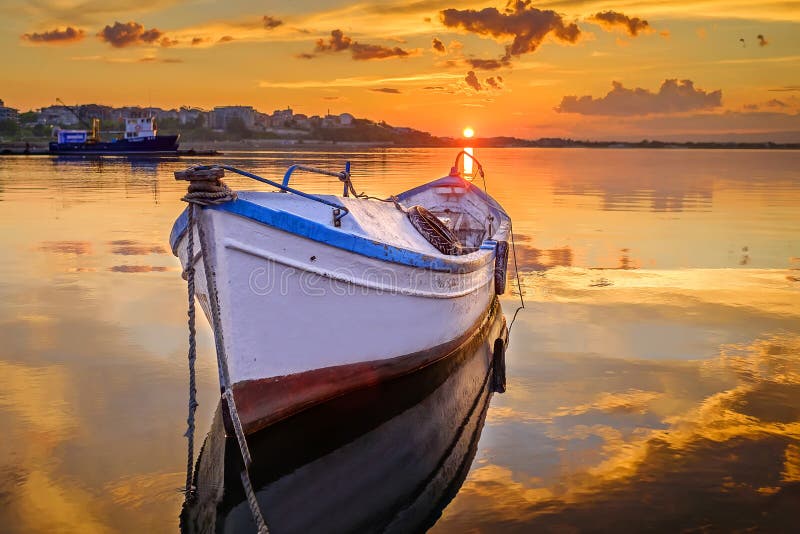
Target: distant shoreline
(205,147)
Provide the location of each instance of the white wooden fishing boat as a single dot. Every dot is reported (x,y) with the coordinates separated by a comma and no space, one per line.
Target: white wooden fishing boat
(313,296)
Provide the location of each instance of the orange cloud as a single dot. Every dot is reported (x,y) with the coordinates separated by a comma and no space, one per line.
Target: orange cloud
(338,41)
(610,20)
(527,25)
(67,35)
(672,97)
(130,33)
(271,22)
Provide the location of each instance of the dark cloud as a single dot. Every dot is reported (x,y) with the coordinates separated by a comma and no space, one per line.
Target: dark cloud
(225,39)
(473,81)
(338,41)
(438,46)
(786,89)
(614,19)
(493,82)
(130,33)
(762,41)
(67,35)
(363,51)
(488,64)
(166,42)
(305,55)
(270,22)
(388,90)
(775,103)
(672,97)
(527,25)
(198,40)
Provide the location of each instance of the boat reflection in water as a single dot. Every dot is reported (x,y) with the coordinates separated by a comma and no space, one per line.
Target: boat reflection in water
(386,458)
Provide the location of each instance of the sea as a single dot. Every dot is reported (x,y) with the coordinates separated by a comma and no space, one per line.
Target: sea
(652,379)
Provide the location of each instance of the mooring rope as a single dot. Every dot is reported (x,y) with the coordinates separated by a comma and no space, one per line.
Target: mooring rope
(519,283)
(206,188)
(189,494)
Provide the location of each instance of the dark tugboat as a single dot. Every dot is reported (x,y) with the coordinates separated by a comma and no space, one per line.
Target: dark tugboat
(141,138)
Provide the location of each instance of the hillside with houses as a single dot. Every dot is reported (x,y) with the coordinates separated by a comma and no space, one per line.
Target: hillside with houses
(222,123)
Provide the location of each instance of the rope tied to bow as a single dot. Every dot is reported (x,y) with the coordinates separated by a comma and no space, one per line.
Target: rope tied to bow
(206,188)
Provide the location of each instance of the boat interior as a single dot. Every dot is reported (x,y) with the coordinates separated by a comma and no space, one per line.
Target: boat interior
(467,213)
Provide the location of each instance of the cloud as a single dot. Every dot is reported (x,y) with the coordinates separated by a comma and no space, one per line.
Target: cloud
(527,25)
(472,81)
(493,82)
(67,35)
(672,97)
(762,41)
(130,33)
(388,90)
(166,42)
(363,81)
(614,19)
(225,39)
(487,64)
(338,41)
(198,40)
(271,22)
(362,51)
(438,46)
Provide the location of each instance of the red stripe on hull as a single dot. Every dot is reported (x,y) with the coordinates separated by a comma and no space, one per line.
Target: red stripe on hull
(263,402)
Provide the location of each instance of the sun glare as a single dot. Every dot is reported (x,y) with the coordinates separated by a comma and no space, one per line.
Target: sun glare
(468,132)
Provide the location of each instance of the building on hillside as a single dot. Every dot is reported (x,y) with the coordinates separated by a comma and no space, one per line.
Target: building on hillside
(280,117)
(330,121)
(8,114)
(162,114)
(346,119)
(96,111)
(57,116)
(222,115)
(188,115)
(301,121)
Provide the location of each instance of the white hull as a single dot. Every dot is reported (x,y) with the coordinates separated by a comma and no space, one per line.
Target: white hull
(308,320)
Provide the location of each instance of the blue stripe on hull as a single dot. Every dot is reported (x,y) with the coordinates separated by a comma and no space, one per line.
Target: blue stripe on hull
(315,231)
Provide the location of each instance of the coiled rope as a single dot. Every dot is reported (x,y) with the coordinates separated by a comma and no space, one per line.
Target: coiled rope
(206,188)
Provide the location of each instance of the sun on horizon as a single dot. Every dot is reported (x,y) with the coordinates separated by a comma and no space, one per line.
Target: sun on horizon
(468,132)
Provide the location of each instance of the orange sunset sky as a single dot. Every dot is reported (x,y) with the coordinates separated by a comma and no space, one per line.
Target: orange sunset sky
(627,69)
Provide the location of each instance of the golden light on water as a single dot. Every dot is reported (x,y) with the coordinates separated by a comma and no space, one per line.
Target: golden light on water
(468,161)
(468,132)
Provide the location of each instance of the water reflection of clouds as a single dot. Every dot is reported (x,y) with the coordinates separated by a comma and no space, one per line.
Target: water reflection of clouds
(139,269)
(129,247)
(66,247)
(719,454)
(79,375)
(666,387)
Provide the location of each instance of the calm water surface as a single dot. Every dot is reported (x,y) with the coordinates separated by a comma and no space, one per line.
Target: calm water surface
(653,380)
